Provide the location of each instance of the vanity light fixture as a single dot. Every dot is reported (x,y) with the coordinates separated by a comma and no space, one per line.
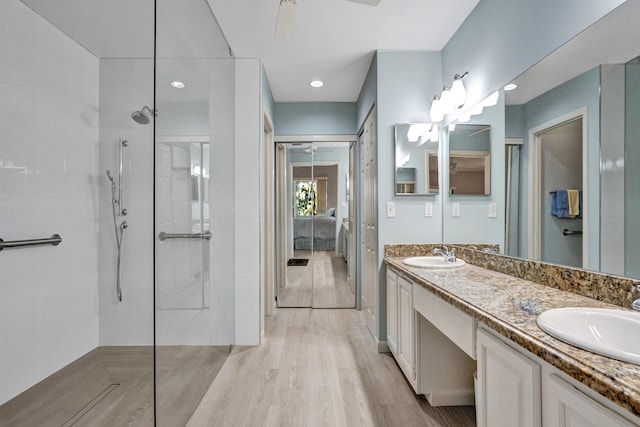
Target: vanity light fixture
(477,109)
(510,86)
(491,100)
(434,134)
(435,112)
(316,83)
(417,130)
(465,117)
(458,92)
(452,127)
(176,84)
(446,101)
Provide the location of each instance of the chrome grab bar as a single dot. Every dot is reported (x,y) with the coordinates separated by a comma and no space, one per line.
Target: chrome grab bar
(163,236)
(567,232)
(53,240)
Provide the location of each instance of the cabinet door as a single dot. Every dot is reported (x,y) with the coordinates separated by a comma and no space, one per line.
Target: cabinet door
(508,385)
(406,339)
(392,311)
(565,406)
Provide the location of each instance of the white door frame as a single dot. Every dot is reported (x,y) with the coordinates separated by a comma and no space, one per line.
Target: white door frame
(535,183)
(267,233)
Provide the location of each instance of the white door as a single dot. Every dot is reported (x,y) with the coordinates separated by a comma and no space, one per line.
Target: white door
(369,222)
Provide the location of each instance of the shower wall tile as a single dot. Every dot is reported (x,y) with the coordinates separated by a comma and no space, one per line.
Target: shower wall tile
(125,86)
(48,165)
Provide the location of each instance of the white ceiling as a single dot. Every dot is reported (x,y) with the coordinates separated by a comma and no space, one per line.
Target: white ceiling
(333,40)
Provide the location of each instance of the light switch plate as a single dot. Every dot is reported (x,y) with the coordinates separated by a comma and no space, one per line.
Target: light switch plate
(428,209)
(493,210)
(391,210)
(455,210)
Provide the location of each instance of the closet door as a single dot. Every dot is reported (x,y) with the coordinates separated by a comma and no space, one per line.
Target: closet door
(369,221)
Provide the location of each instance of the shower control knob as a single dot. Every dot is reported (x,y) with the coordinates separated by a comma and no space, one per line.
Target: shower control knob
(123,212)
(124,225)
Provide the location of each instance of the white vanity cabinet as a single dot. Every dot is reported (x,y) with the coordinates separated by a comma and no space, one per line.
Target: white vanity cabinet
(565,406)
(508,385)
(516,388)
(400,323)
(392,311)
(432,342)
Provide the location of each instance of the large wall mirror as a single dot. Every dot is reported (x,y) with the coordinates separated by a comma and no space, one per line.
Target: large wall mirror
(578,109)
(416,159)
(470,160)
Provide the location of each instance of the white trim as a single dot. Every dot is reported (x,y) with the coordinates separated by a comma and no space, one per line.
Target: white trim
(535,190)
(316,138)
(514,141)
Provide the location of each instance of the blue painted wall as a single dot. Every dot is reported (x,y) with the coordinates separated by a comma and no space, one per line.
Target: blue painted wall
(500,39)
(315,118)
(582,91)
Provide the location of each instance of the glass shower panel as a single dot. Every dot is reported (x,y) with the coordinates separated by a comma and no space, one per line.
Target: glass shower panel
(194,299)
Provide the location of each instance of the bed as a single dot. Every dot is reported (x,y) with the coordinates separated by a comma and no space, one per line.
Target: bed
(324,232)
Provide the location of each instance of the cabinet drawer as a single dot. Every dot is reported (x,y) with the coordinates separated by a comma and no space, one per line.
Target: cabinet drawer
(457,325)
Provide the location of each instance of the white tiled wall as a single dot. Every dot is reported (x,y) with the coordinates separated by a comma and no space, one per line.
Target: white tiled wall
(125,86)
(48,160)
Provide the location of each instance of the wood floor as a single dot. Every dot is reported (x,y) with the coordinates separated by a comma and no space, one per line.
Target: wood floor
(113,386)
(322,283)
(317,368)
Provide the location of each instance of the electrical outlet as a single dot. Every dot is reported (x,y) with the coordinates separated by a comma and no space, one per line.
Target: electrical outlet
(493,210)
(428,209)
(455,210)
(391,210)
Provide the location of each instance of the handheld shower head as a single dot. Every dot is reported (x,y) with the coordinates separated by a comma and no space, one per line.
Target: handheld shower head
(143,115)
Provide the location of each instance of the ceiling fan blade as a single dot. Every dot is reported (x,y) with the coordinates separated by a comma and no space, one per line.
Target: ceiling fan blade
(286,19)
(367,2)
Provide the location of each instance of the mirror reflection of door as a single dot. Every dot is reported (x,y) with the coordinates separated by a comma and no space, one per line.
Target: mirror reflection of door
(182,214)
(312,218)
(561,171)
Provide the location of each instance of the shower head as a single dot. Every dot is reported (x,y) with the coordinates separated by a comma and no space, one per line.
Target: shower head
(143,115)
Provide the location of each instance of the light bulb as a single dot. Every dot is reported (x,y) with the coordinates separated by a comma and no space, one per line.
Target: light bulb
(492,99)
(465,117)
(458,92)
(434,134)
(452,127)
(435,113)
(446,103)
(477,109)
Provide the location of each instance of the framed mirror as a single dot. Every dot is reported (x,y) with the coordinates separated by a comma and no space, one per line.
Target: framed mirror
(470,160)
(416,159)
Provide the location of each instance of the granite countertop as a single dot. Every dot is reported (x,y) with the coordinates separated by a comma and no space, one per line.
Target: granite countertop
(510,306)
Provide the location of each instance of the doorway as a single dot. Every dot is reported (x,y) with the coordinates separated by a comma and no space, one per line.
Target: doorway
(559,222)
(312,221)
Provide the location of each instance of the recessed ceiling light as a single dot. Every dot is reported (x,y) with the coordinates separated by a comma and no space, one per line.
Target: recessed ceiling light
(178,85)
(510,86)
(316,83)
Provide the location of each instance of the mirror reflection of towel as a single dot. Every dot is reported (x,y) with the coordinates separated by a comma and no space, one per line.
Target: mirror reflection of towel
(573,197)
(560,204)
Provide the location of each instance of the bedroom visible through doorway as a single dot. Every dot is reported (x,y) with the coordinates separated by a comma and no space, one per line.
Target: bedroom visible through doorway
(311,213)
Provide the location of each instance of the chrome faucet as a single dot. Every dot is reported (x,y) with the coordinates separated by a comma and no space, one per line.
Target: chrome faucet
(636,303)
(449,255)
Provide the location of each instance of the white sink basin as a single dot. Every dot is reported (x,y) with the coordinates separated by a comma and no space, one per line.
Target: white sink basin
(612,333)
(433,262)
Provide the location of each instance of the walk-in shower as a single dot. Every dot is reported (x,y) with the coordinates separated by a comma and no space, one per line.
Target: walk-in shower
(112,326)
(143,115)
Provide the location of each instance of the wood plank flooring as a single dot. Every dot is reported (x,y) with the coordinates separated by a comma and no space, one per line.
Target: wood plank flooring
(113,386)
(317,368)
(322,283)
